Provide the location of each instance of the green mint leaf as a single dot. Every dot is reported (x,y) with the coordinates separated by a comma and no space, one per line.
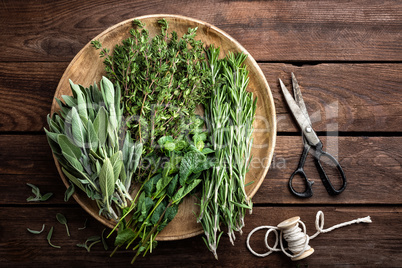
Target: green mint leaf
(124,236)
(46,196)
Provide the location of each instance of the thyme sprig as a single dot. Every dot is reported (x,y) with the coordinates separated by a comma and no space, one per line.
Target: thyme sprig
(163,79)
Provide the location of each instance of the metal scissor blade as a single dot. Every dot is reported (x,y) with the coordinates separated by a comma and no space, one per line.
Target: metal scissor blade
(299,98)
(301,119)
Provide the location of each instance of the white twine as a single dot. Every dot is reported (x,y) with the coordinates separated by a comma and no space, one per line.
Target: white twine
(298,241)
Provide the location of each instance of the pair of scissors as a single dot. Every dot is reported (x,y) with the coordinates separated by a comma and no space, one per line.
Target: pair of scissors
(310,139)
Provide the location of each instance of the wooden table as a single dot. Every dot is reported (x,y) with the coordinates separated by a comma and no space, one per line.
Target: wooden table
(347,56)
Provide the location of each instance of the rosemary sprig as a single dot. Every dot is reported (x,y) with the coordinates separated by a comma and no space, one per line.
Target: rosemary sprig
(230,115)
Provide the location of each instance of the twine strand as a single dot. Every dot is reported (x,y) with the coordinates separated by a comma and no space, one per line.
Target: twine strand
(296,237)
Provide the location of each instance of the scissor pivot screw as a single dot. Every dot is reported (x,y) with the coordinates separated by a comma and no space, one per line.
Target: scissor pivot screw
(309,129)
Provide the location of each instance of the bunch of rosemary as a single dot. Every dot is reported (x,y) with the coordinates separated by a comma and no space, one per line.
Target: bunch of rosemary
(85,140)
(229,116)
(163,79)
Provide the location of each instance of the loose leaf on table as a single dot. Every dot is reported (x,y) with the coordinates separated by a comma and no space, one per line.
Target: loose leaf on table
(60,217)
(85,225)
(38,196)
(49,237)
(36,232)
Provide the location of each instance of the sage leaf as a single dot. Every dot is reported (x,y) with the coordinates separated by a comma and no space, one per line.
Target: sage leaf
(69,192)
(85,225)
(36,232)
(49,237)
(77,129)
(100,126)
(92,136)
(107,181)
(46,196)
(60,217)
(67,147)
(81,102)
(73,179)
(105,246)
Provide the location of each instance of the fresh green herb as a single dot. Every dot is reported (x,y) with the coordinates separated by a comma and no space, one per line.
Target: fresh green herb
(36,232)
(38,196)
(162,193)
(63,220)
(105,246)
(85,225)
(85,140)
(69,192)
(162,78)
(94,239)
(230,115)
(49,236)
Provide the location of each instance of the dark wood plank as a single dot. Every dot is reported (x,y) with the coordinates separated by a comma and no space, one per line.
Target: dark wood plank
(269,30)
(26,94)
(372,166)
(343,97)
(363,245)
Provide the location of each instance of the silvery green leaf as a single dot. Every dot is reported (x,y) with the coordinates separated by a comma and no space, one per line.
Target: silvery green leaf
(73,162)
(46,196)
(107,181)
(70,101)
(100,126)
(49,236)
(73,179)
(53,126)
(107,90)
(92,136)
(78,130)
(36,232)
(67,147)
(69,192)
(81,103)
(35,190)
(137,155)
(60,217)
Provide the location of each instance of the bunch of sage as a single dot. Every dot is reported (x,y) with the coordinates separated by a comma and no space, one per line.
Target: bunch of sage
(229,117)
(84,137)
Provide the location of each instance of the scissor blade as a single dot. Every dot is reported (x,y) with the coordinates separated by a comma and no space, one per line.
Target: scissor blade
(301,119)
(299,98)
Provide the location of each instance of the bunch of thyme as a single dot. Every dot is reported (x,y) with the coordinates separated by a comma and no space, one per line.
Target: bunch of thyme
(162,78)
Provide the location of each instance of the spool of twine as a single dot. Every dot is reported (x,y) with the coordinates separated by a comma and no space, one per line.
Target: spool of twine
(296,237)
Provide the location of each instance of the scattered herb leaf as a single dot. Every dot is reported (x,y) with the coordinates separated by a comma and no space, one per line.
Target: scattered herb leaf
(36,232)
(49,236)
(60,217)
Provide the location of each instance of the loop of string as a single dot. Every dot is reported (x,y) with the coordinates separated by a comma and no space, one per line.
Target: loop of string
(297,239)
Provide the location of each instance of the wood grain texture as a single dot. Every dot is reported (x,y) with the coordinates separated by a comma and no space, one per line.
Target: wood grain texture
(372,166)
(269,30)
(365,245)
(367,95)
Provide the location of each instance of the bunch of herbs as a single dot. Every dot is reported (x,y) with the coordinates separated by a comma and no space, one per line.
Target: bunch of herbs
(229,116)
(84,137)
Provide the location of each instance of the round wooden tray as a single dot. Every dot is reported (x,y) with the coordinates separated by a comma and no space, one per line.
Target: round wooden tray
(87,68)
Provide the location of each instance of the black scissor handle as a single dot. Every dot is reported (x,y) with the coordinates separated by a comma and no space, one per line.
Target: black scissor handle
(325,180)
(309,191)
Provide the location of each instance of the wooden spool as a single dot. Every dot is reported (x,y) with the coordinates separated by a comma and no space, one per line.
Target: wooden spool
(290,223)
(87,67)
